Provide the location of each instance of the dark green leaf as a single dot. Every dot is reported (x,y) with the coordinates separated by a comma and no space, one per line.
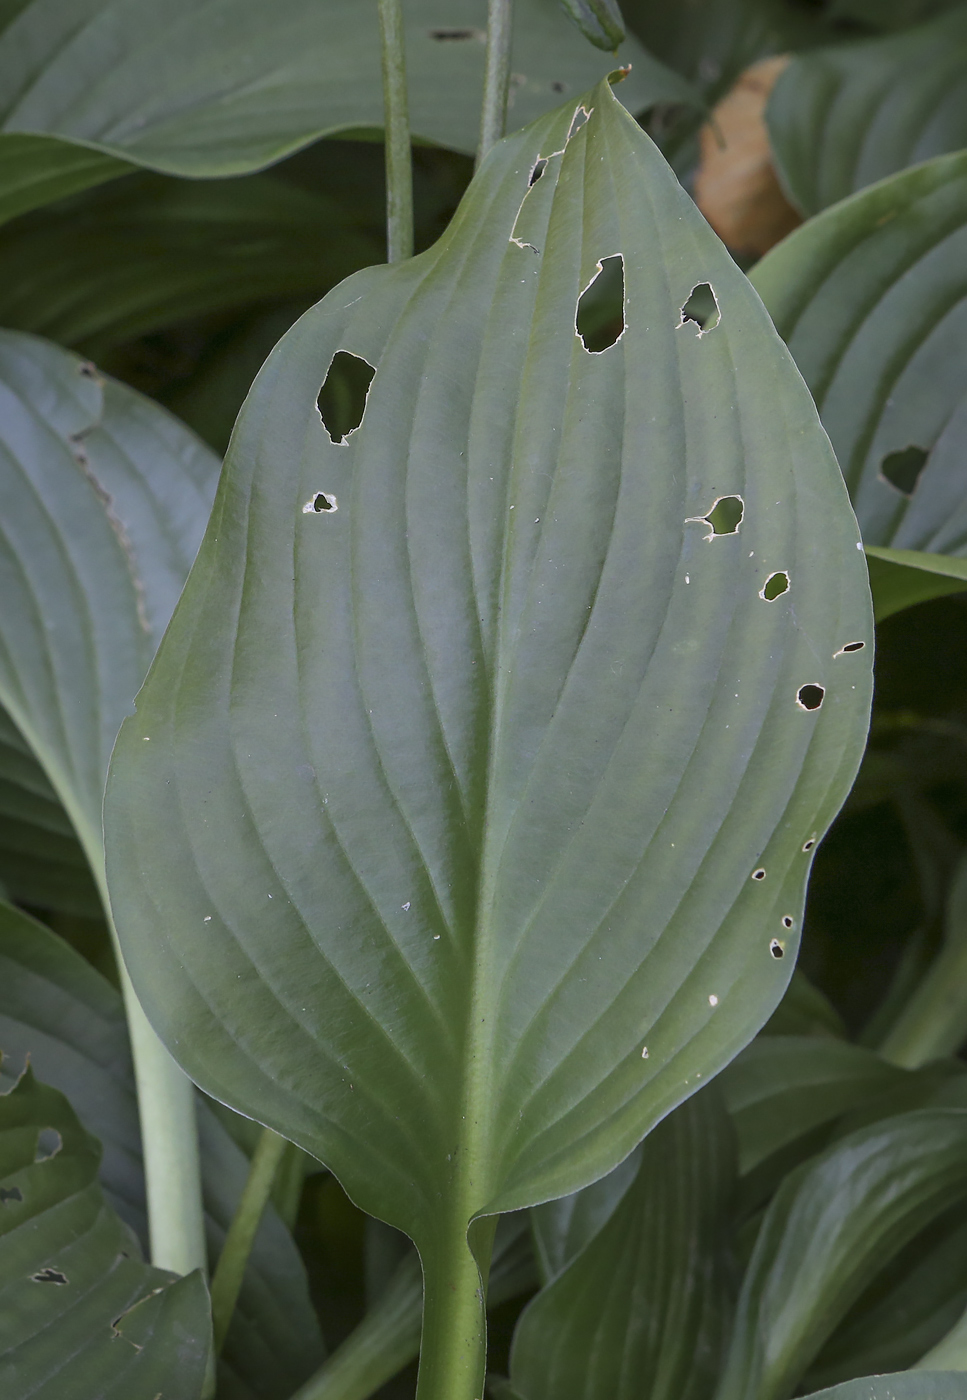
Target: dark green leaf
(871,300)
(36,170)
(81,1314)
(842,118)
(805,1010)
(563,1227)
(62,1014)
(834,1224)
(225,88)
(643,1310)
(150,251)
(888,14)
(434,838)
(598,20)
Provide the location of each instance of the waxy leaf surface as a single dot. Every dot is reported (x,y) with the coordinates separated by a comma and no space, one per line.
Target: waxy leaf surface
(905,1385)
(844,117)
(221,87)
(432,841)
(871,298)
(80,1312)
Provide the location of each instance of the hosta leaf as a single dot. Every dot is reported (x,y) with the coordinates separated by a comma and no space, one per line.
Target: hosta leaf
(598,20)
(41,862)
(871,300)
(80,1312)
(844,117)
(831,1228)
(805,1010)
(643,1309)
(228,86)
(104,500)
(149,251)
(436,840)
(562,1228)
(36,170)
(61,1015)
(906,1385)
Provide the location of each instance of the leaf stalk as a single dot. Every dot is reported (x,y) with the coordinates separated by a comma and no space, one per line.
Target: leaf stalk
(230,1270)
(493,116)
(453,1352)
(399,158)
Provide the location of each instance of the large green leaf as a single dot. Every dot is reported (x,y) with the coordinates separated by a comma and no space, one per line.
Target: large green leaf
(123,260)
(871,299)
(563,1227)
(463,826)
(228,86)
(844,117)
(80,1313)
(831,1228)
(643,1310)
(61,1015)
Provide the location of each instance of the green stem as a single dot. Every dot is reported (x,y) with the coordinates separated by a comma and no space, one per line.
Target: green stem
(934,1021)
(230,1270)
(493,116)
(169,1131)
(399,160)
(453,1352)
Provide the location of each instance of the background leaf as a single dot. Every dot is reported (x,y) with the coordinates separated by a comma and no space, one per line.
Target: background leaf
(844,117)
(229,86)
(830,1229)
(379,833)
(908,1385)
(56,1010)
(870,298)
(643,1310)
(73,1286)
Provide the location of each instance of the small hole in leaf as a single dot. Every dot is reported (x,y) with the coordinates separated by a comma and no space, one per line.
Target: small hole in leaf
(318,504)
(87,370)
(902,469)
(49,1276)
(537,172)
(787,921)
(808,845)
(849,647)
(10,1193)
(759,874)
(774,586)
(458,36)
(810,697)
(342,398)
(776,949)
(600,316)
(724,518)
(49,1143)
(702,308)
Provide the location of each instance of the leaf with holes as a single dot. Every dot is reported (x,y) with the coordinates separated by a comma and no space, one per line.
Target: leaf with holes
(844,117)
(232,85)
(643,1309)
(67,1021)
(80,1312)
(829,1231)
(431,842)
(870,297)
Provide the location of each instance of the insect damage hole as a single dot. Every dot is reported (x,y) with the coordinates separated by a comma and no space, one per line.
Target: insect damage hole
(903,469)
(48,1276)
(321,503)
(848,649)
(777,949)
(787,921)
(344,393)
(540,165)
(600,313)
(49,1143)
(808,845)
(810,697)
(581,117)
(724,518)
(774,586)
(702,308)
(759,874)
